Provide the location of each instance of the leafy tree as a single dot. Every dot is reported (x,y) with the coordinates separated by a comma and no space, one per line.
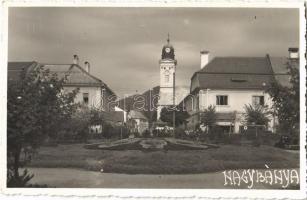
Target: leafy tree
(286,100)
(36,106)
(208,117)
(180,116)
(256,114)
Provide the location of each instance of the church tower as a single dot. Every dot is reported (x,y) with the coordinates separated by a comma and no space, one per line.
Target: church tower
(167,77)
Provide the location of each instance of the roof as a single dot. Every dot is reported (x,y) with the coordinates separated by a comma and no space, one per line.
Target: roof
(241,73)
(134,114)
(15,68)
(76,75)
(250,65)
(234,73)
(234,81)
(149,109)
(279,66)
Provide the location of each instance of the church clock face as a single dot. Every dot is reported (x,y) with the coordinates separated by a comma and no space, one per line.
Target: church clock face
(167,50)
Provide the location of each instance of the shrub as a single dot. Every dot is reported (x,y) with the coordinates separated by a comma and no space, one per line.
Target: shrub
(203,136)
(136,134)
(123,132)
(95,136)
(162,133)
(193,135)
(208,117)
(155,133)
(75,129)
(20,180)
(107,130)
(216,133)
(116,132)
(146,133)
(179,133)
(256,114)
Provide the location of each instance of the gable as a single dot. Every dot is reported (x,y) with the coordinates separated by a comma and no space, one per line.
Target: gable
(76,76)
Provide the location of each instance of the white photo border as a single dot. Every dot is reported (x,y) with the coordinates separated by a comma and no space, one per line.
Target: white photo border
(153,193)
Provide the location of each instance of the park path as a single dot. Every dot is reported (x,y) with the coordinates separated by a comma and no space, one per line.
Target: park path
(77,178)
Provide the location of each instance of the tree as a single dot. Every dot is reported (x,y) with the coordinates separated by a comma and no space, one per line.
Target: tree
(180,116)
(286,100)
(208,117)
(36,108)
(256,114)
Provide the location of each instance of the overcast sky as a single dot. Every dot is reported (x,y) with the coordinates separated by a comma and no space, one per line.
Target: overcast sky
(123,45)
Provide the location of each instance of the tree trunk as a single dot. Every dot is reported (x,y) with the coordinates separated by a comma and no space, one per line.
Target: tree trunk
(16,164)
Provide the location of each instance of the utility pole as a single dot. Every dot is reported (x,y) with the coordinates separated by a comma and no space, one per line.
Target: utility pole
(174,108)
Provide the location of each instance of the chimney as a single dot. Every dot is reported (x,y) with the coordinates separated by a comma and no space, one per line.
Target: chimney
(87,67)
(76,60)
(293,53)
(204,58)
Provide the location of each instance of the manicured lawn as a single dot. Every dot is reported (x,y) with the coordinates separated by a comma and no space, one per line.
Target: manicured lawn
(164,162)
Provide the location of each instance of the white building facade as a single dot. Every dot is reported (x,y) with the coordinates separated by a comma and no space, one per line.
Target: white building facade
(231,83)
(229,105)
(92,91)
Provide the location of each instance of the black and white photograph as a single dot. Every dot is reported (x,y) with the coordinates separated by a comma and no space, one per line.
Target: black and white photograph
(155,97)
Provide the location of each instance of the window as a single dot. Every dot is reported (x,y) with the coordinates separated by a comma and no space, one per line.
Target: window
(222,100)
(85,98)
(167,78)
(258,100)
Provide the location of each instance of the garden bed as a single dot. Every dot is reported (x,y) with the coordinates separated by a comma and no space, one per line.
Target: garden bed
(165,162)
(149,144)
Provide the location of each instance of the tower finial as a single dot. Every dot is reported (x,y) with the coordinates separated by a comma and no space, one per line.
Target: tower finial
(167,38)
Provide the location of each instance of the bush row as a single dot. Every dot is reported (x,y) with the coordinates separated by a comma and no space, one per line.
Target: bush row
(217,135)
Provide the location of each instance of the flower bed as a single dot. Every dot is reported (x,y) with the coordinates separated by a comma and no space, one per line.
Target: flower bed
(150,144)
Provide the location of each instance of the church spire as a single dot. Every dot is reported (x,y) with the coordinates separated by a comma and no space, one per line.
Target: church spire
(168,51)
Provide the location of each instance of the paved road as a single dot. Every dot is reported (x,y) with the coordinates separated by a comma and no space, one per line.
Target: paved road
(72,178)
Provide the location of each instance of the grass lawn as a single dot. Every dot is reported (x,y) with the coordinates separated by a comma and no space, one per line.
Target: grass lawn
(164,162)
